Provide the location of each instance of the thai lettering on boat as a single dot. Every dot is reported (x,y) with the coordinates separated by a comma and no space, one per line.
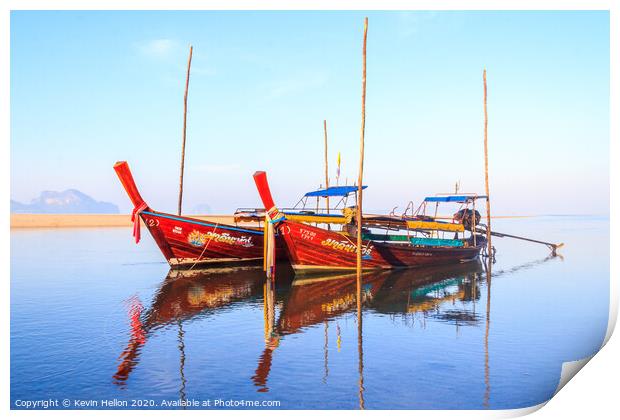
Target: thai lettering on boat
(346,246)
(199,239)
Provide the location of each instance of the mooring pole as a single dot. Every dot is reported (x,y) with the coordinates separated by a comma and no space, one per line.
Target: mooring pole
(486,165)
(189,64)
(326,164)
(360,176)
(359,227)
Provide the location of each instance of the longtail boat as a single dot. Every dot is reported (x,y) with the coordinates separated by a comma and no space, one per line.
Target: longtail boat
(186,241)
(311,248)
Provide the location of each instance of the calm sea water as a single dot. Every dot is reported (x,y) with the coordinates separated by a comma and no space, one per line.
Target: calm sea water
(94,317)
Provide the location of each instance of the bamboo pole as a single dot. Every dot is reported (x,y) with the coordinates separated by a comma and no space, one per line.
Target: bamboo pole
(189,64)
(486,165)
(326,164)
(489,248)
(361,174)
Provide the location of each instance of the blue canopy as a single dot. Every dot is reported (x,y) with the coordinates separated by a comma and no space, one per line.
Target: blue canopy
(453,198)
(342,191)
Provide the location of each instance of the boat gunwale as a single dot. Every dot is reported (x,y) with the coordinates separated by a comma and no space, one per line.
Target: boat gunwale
(257,231)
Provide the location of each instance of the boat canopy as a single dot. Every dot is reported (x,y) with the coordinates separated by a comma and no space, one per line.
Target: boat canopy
(342,191)
(454,198)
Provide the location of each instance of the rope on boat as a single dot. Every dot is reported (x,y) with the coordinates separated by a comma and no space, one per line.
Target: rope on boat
(205,248)
(136,220)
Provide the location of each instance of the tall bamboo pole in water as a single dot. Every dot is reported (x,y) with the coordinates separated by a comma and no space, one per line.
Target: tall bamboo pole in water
(189,64)
(486,165)
(489,261)
(361,172)
(359,225)
(326,164)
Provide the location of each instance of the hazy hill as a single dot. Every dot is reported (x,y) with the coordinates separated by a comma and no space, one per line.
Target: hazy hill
(69,201)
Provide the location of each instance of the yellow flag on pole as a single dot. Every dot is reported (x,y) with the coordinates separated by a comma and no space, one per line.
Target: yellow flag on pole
(338,169)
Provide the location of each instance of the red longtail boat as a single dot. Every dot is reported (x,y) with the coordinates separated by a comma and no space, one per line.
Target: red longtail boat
(186,241)
(312,248)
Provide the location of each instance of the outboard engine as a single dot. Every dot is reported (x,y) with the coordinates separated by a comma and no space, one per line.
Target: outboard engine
(466,216)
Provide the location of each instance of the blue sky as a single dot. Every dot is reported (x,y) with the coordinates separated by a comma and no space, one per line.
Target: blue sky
(90,88)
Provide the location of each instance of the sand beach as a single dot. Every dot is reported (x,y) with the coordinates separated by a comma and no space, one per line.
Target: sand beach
(33,221)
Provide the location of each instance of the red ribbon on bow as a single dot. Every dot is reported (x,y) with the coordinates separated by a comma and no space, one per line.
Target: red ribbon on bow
(136,220)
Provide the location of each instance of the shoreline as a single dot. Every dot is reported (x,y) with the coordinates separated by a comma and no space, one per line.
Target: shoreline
(46,221)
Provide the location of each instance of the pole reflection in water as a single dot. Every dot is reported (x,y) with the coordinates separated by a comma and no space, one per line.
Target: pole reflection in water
(489,275)
(338,337)
(360,344)
(182,362)
(487,382)
(272,338)
(326,352)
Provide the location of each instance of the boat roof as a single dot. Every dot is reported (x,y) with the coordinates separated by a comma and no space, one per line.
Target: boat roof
(341,191)
(454,198)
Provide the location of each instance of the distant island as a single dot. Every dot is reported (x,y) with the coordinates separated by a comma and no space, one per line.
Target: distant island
(64,202)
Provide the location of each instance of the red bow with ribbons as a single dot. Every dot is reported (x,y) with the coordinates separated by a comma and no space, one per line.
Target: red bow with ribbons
(136,220)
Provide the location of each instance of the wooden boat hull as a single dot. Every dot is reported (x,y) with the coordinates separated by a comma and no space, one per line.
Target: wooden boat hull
(185,241)
(311,249)
(188,242)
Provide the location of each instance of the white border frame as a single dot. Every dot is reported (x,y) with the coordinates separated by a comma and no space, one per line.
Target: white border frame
(596,385)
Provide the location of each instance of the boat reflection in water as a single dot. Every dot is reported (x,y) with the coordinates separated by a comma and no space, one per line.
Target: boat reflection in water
(309,302)
(448,294)
(184,295)
(315,301)
(420,293)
